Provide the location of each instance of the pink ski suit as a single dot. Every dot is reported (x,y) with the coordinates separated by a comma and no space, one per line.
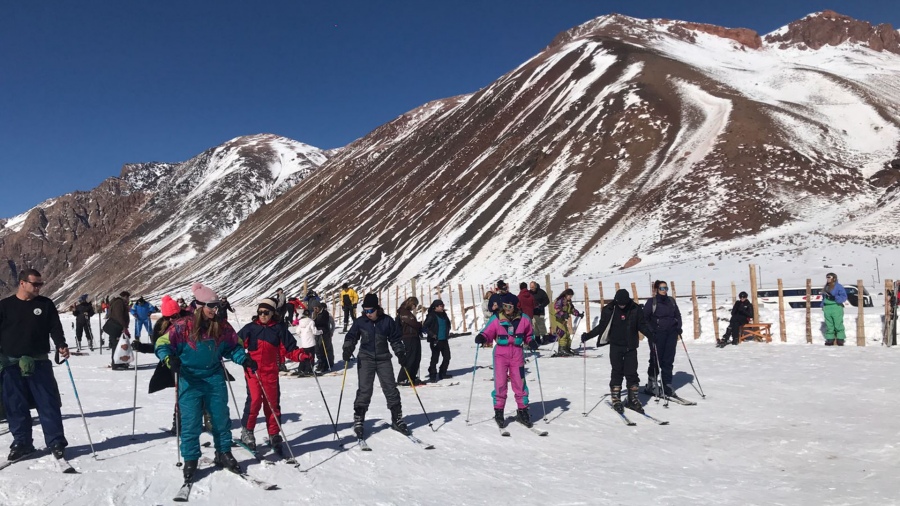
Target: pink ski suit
(509,357)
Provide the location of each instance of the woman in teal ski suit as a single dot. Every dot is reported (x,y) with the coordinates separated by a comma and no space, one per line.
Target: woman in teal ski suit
(833,298)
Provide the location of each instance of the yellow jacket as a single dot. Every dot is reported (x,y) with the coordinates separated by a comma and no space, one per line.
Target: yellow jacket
(354,298)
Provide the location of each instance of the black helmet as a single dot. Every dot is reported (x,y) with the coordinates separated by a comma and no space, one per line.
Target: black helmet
(742,295)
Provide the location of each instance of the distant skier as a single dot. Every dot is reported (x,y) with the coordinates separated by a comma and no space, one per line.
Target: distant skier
(500,297)
(526,301)
(412,341)
(620,322)
(349,299)
(741,314)
(307,334)
(437,325)
(662,312)
(559,324)
(117,324)
(512,331)
(83,312)
(324,349)
(375,331)
(193,348)
(141,312)
(541,301)
(224,308)
(833,298)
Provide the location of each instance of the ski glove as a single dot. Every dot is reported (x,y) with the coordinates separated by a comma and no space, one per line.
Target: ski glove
(533,345)
(584,336)
(249,363)
(480,339)
(174,363)
(401,357)
(348,354)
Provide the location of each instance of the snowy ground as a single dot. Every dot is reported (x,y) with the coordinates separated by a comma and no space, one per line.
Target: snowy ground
(781,424)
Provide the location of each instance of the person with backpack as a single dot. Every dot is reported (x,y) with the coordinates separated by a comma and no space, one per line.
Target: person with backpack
(412,341)
(83,312)
(193,349)
(349,299)
(665,319)
(324,350)
(741,314)
(375,331)
(833,298)
(437,325)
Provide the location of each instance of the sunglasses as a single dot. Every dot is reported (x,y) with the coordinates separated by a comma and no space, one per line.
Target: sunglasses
(264,313)
(36,284)
(368,311)
(212,305)
(663,289)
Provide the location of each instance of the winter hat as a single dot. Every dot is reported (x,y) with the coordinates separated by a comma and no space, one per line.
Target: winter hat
(83,298)
(169,307)
(203,294)
(323,306)
(267,304)
(502,285)
(370,300)
(742,295)
(622,297)
(436,303)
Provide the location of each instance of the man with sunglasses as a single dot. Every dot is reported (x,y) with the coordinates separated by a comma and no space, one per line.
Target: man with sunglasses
(117,317)
(375,331)
(27,320)
(741,314)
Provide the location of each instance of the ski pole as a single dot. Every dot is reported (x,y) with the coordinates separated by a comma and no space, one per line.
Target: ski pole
(472,389)
(584,376)
(341,397)
(231,388)
(292,460)
(134,407)
(692,367)
(83,419)
(413,385)
(604,396)
(177,418)
(333,425)
(661,389)
(537,368)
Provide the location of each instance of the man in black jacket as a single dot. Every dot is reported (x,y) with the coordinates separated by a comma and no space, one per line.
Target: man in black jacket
(324,351)
(541,301)
(620,322)
(26,321)
(374,331)
(741,313)
(83,312)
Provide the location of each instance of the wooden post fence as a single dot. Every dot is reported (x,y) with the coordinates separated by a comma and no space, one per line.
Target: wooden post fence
(733,293)
(753,296)
(888,337)
(549,290)
(462,304)
(783,330)
(617,287)
(860,317)
(587,310)
(672,287)
(452,317)
(475,306)
(600,283)
(714,311)
(634,293)
(696,310)
(808,311)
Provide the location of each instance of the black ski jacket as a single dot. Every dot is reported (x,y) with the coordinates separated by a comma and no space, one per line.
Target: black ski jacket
(625,325)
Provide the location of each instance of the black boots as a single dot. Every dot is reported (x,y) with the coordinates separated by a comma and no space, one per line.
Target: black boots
(359,416)
(829,342)
(397,422)
(19,450)
(227,460)
(615,397)
(190,466)
(275,441)
(499,418)
(58,450)
(523,417)
(633,402)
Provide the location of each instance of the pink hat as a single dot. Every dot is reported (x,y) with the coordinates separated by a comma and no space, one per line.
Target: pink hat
(203,294)
(169,307)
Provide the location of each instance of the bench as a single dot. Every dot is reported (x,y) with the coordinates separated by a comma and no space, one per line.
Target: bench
(757,332)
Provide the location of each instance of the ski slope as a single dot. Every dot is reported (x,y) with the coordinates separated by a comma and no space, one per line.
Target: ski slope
(781,424)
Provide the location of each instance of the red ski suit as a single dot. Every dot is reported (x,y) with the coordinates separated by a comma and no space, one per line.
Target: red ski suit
(263,343)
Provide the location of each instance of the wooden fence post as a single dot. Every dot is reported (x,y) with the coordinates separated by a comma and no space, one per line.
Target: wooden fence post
(600,283)
(634,294)
(475,307)
(887,337)
(860,317)
(422,303)
(337,295)
(753,296)
(305,288)
(549,290)
(617,287)
(714,311)
(452,317)
(462,304)
(808,311)
(412,287)
(397,296)
(587,310)
(781,311)
(672,287)
(733,293)
(696,310)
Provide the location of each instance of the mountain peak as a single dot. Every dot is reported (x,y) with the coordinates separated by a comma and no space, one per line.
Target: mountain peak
(829,28)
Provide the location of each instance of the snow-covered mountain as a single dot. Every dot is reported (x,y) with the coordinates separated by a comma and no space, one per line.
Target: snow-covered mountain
(625,140)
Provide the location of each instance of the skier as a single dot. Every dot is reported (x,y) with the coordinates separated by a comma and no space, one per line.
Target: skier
(559,324)
(84,311)
(526,301)
(541,301)
(262,338)
(324,350)
(741,313)
(224,308)
(620,321)
(665,319)
(26,319)
(437,325)
(193,348)
(349,299)
(833,298)
(308,334)
(412,342)
(500,297)
(374,331)
(311,300)
(142,311)
(512,330)
(117,324)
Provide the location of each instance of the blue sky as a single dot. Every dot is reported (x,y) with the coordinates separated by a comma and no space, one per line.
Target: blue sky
(88,86)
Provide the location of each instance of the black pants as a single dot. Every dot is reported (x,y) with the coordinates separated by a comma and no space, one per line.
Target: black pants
(624,364)
(733,330)
(367,367)
(413,345)
(83,327)
(439,349)
(666,345)
(324,353)
(349,312)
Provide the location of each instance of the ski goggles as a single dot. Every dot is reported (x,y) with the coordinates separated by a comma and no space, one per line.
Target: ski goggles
(368,311)
(264,312)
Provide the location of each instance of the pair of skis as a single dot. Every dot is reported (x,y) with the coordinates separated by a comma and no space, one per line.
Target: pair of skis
(184,492)
(364,446)
(62,465)
(539,432)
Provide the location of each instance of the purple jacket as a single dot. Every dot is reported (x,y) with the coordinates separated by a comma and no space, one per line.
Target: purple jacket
(666,316)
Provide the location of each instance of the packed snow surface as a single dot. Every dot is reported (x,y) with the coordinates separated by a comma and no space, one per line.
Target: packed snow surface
(780,424)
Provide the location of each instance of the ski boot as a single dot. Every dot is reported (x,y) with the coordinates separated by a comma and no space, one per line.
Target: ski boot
(669,391)
(615,397)
(190,467)
(829,342)
(397,422)
(227,460)
(19,450)
(839,342)
(275,441)
(651,388)
(523,417)
(248,438)
(633,402)
(499,418)
(91,344)
(58,450)
(359,416)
